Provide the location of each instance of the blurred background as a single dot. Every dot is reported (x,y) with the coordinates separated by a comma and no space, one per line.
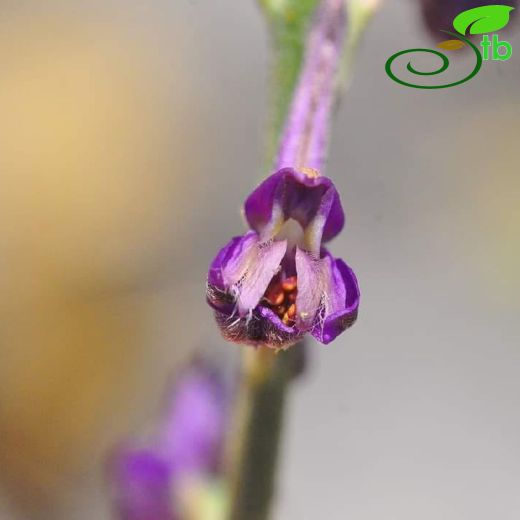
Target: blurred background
(130,133)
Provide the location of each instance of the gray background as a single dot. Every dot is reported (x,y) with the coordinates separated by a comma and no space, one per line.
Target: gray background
(131,133)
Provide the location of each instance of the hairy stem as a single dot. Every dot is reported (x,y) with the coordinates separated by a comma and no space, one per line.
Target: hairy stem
(307,71)
(305,137)
(266,377)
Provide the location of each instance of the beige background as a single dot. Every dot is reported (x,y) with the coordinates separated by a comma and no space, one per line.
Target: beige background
(130,133)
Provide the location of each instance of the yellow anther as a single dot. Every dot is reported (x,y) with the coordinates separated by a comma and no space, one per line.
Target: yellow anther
(310,172)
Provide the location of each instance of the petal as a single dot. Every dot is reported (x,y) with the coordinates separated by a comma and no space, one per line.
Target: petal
(217,294)
(192,431)
(316,228)
(216,291)
(142,485)
(276,334)
(258,207)
(262,329)
(328,295)
(335,219)
(261,264)
(289,193)
(244,269)
(343,314)
(215,269)
(311,288)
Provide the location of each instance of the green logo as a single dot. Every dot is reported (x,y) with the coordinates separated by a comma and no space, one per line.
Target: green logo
(480,20)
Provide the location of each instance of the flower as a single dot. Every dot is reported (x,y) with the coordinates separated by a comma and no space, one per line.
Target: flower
(150,480)
(142,479)
(192,430)
(277,282)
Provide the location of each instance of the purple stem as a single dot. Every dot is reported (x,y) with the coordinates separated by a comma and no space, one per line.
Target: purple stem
(304,140)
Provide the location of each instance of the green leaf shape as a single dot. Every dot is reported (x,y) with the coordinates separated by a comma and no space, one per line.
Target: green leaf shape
(481,20)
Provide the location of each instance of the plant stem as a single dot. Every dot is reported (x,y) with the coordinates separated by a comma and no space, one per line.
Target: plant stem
(266,377)
(305,138)
(266,374)
(304,98)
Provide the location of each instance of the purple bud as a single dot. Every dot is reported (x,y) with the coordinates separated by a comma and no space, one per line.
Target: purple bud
(192,430)
(142,481)
(186,446)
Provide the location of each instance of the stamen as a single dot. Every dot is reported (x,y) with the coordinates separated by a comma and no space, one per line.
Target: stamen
(290,284)
(280,296)
(280,310)
(275,297)
(310,172)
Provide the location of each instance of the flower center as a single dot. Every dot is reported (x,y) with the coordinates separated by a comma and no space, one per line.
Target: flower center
(280,296)
(293,232)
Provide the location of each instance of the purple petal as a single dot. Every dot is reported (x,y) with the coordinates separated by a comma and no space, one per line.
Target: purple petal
(292,194)
(316,228)
(244,269)
(191,435)
(216,268)
(142,481)
(150,483)
(258,207)
(328,295)
(344,313)
(263,329)
(263,263)
(312,287)
(240,275)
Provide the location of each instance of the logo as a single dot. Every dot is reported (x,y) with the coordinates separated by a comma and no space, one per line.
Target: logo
(478,21)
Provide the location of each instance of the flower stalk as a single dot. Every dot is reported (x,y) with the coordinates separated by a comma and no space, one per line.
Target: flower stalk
(266,375)
(305,137)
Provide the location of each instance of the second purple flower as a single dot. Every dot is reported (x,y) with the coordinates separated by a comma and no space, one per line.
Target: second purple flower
(277,282)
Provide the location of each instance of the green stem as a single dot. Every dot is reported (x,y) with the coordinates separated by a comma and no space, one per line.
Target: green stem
(266,377)
(360,13)
(265,374)
(288,22)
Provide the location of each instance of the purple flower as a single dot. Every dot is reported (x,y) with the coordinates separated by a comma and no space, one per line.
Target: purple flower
(187,445)
(192,431)
(142,479)
(277,282)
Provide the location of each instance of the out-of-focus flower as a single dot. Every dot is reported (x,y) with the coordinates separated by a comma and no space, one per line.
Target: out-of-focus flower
(186,449)
(277,282)
(142,479)
(192,430)
(438,15)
